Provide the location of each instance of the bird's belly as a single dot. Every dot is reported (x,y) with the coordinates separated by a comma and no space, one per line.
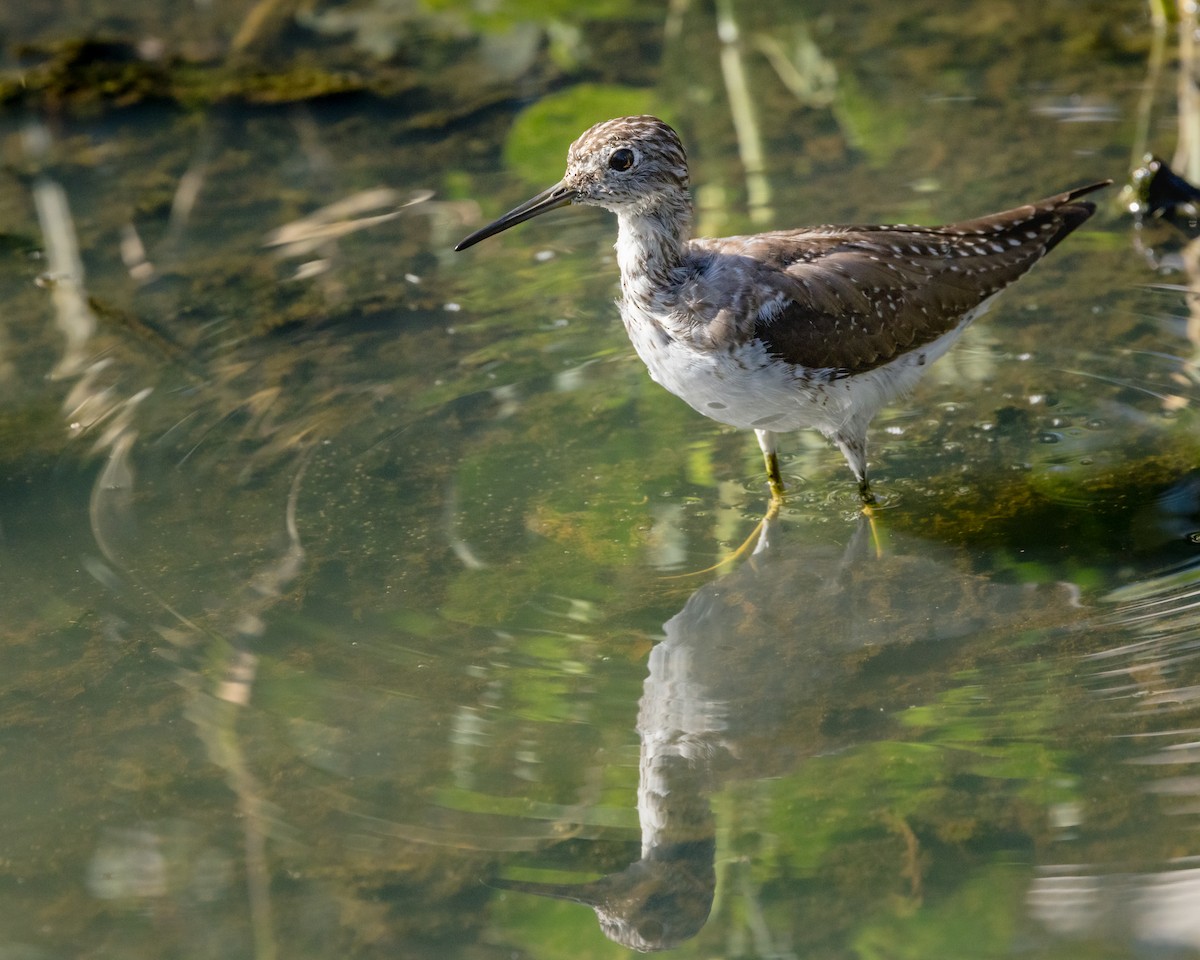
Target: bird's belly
(749,388)
(745,387)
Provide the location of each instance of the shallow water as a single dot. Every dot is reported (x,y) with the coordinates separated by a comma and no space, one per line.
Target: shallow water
(355,591)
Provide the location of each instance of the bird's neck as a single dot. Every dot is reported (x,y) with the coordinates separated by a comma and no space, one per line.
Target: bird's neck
(651,243)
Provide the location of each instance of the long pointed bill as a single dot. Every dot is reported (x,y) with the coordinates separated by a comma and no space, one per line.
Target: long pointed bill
(557,196)
(575,892)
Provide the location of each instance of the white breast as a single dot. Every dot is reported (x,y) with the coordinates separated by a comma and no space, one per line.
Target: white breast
(748,388)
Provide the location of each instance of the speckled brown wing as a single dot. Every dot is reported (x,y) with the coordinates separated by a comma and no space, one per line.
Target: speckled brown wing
(854,298)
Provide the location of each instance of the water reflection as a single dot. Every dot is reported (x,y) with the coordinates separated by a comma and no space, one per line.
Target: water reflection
(760,669)
(1149,679)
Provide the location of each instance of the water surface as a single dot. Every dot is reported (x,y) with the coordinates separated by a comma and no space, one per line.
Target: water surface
(356,592)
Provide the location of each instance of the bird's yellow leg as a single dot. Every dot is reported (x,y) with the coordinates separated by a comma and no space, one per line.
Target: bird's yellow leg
(774,478)
(775,481)
(868,509)
(766,441)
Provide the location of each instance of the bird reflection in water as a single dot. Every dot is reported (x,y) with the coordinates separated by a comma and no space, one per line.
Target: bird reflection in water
(746,681)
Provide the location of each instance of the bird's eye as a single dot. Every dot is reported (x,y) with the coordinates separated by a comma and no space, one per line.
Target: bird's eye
(621,159)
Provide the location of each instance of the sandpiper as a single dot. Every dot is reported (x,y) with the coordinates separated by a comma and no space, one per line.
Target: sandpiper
(817,327)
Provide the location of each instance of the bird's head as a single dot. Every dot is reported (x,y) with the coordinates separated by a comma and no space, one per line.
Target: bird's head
(627,164)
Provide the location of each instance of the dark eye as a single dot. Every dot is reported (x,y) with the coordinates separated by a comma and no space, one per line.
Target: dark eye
(621,159)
